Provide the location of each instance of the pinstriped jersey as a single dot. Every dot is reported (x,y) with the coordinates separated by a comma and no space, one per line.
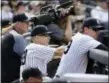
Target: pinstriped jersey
(36,56)
(74,59)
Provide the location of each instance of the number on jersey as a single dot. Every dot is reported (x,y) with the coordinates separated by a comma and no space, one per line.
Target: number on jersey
(23,59)
(68,47)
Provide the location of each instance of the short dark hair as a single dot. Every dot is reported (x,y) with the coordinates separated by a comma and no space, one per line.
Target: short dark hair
(31,72)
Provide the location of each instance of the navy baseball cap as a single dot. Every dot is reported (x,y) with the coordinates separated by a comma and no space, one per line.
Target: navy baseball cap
(40,29)
(93,23)
(20,18)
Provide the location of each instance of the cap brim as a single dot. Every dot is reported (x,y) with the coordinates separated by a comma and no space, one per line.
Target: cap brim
(27,20)
(21,21)
(49,32)
(98,27)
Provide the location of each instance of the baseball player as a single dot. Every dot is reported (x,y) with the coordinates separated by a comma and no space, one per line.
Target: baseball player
(38,54)
(74,59)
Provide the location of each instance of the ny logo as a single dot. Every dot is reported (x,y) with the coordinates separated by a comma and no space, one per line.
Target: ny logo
(98,22)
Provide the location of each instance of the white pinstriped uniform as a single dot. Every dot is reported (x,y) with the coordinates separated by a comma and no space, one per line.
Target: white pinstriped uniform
(37,56)
(75,60)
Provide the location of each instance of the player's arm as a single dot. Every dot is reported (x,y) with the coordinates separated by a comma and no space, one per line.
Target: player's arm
(68,31)
(58,52)
(102,47)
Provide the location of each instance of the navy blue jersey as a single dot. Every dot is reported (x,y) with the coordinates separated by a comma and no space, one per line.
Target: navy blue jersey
(13,45)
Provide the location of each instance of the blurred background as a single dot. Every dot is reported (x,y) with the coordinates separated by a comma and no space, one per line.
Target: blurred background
(79,9)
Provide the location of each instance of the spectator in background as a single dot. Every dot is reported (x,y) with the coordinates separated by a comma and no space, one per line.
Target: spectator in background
(79,10)
(13,45)
(20,8)
(6,14)
(35,7)
(6,11)
(78,25)
(78,7)
(101,11)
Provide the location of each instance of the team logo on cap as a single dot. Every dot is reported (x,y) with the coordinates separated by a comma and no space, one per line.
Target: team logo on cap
(98,21)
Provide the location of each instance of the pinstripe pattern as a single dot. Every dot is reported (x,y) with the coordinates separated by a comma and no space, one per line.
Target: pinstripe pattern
(75,61)
(37,56)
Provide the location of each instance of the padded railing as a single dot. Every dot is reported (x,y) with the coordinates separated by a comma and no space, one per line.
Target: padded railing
(85,78)
(100,56)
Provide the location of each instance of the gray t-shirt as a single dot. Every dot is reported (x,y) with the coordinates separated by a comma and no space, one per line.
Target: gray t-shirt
(20,42)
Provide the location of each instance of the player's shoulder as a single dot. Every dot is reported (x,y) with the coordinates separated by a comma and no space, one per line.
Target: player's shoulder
(35,46)
(80,36)
(14,33)
(89,39)
(17,36)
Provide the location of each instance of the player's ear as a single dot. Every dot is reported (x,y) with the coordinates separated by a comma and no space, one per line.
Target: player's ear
(33,38)
(86,30)
(37,37)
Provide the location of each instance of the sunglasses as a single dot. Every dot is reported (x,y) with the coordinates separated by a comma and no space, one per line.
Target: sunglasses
(44,34)
(25,22)
(95,29)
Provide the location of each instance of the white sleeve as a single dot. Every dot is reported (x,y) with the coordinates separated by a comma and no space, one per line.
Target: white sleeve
(94,44)
(46,53)
(87,44)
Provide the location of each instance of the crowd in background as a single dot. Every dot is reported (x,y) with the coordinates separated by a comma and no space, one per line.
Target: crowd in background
(10,8)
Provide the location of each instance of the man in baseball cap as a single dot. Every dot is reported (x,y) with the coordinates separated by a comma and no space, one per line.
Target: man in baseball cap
(21,23)
(38,53)
(75,55)
(40,34)
(40,29)
(91,26)
(20,18)
(13,45)
(100,12)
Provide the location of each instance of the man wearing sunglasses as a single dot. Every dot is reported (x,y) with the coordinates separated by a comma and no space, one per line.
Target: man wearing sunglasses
(38,53)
